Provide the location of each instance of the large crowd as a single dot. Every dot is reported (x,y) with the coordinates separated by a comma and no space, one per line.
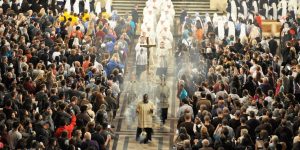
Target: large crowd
(250,93)
(61,74)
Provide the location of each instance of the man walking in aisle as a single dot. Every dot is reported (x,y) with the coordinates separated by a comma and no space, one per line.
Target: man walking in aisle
(144,111)
(163,93)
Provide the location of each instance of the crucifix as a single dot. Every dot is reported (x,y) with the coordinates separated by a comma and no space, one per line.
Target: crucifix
(148,46)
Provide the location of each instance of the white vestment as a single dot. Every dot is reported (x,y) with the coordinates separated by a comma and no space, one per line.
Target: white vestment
(207,18)
(245,9)
(274,7)
(108,7)
(254,4)
(162,24)
(233,10)
(156,4)
(166,33)
(243,31)
(162,54)
(298,10)
(167,3)
(293,5)
(98,7)
(166,14)
(221,30)
(76,7)
(215,20)
(140,55)
(150,19)
(283,5)
(68,6)
(87,5)
(250,17)
(231,29)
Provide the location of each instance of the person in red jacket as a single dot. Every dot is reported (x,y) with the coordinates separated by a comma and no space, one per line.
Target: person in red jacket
(258,20)
(69,128)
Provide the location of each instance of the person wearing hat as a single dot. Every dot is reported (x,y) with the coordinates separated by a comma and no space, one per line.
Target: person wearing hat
(163,94)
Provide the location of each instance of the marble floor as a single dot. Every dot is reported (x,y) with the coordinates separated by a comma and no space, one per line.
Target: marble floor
(125,129)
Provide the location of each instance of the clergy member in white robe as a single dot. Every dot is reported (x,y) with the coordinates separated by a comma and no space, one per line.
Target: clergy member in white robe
(76,7)
(265,12)
(214,20)
(98,7)
(233,13)
(156,4)
(207,18)
(68,6)
(255,6)
(161,24)
(243,31)
(283,5)
(162,54)
(274,11)
(141,57)
(152,41)
(165,14)
(145,111)
(108,7)
(221,30)
(87,5)
(168,5)
(150,18)
(166,33)
(245,9)
(231,29)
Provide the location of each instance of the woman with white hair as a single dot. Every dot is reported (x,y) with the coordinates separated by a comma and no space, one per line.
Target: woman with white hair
(245,141)
(88,143)
(274,143)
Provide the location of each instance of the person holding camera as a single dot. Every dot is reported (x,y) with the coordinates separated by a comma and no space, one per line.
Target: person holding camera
(66,127)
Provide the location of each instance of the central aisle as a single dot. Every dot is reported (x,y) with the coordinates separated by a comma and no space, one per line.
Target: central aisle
(125,131)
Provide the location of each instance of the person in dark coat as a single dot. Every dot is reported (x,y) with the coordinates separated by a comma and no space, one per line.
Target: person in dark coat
(273,45)
(42,131)
(5,6)
(96,136)
(14,6)
(88,143)
(285,134)
(83,115)
(135,14)
(250,85)
(183,14)
(286,54)
(24,6)
(36,7)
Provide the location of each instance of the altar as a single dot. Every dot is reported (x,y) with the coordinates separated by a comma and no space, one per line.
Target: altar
(271,27)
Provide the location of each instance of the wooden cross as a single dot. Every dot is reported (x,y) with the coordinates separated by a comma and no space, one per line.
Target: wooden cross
(148,46)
